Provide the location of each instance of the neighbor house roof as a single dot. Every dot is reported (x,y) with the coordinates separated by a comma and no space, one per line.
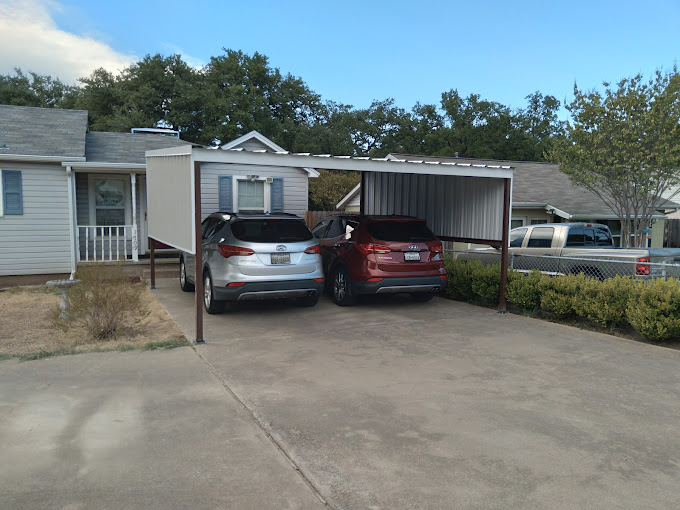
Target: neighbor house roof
(104,146)
(541,185)
(47,132)
(257,142)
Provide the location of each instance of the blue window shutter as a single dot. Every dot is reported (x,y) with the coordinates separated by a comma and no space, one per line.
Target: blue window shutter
(11,189)
(226,194)
(277,194)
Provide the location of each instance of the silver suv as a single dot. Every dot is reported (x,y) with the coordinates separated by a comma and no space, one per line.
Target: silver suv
(255,256)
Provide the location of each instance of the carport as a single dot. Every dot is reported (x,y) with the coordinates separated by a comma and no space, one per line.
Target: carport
(460,202)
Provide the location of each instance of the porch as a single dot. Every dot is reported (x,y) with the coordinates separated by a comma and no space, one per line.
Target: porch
(110,213)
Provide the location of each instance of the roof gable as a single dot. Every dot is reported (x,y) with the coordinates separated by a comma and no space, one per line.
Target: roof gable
(257,142)
(55,132)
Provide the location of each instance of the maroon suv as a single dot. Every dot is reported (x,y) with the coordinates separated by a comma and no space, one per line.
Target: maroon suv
(380,255)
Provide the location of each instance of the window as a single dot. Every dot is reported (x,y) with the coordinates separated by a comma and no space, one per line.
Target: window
(109,200)
(603,238)
(400,231)
(250,196)
(336,229)
(271,231)
(541,237)
(575,237)
(320,229)
(11,193)
(589,235)
(250,193)
(516,223)
(537,221)
(517,237)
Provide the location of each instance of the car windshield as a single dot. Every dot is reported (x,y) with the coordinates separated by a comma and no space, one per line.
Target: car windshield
(271,231)
(400,231)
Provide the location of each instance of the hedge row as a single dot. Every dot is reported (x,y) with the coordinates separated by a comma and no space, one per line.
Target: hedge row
(651,307)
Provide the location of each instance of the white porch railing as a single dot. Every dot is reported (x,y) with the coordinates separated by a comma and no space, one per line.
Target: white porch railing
(97,243)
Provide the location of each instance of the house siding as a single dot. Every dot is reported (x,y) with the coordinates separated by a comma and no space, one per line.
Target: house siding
(295,185)
(37,241)
(83,215)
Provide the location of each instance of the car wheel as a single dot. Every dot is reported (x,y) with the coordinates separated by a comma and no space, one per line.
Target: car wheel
(342,287)
(308,300)
(212,306)
(183,282)
(422,297)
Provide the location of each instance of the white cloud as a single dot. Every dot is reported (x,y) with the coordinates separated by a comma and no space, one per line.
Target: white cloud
(31,40)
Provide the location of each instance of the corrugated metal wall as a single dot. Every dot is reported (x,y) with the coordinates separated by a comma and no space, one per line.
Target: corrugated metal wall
(467,207)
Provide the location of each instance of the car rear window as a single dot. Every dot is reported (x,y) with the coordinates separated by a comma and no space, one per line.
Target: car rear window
(400,231)
(271,231)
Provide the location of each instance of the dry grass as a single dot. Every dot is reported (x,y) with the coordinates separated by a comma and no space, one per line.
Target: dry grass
(28,330)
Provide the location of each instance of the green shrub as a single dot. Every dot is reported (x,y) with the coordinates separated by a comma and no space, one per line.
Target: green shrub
(654,309)
(525,290)
(604,302)
(105,302)
(459,275)
(558,294)
(486,283)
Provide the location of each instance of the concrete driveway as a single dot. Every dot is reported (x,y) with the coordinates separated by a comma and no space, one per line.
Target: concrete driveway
(398,405)
(135,430)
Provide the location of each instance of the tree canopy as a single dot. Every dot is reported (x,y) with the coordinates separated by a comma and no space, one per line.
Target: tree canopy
(623,144)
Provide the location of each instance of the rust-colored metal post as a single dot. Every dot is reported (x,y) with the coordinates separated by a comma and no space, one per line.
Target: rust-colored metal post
(505,245)
(152,246)
(198,259)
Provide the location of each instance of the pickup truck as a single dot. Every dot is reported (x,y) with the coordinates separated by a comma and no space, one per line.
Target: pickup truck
(564,248)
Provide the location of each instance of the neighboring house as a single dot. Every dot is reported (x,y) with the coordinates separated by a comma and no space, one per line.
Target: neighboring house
(351,202)
(543,194)
(239,188)
(66,194)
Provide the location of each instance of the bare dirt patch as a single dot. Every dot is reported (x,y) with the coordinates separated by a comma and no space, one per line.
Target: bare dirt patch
(27,326)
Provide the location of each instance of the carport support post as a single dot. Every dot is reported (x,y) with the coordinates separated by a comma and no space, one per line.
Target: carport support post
(152,249)
(198,259)
(505,245)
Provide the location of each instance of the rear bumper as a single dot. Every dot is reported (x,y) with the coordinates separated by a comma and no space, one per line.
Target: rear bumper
(269,290)
(396,285)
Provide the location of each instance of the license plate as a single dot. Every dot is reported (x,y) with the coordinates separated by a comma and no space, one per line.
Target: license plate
(411,255)
(280,258)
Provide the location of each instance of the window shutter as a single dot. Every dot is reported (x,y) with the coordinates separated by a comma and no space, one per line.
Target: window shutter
(277,194)
(226,194)
(11,189)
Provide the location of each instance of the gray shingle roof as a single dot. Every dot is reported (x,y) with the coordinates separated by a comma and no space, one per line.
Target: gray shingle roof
(539,182)
(109,147)
(42,131)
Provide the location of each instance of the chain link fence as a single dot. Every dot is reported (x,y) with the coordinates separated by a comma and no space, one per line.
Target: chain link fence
(595,267)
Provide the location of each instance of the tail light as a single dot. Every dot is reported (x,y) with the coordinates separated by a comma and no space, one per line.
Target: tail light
(438,252)
(318,280)
(367,248)
(314,249)
(230,251)
(642,269)
(236,284)
(375,279)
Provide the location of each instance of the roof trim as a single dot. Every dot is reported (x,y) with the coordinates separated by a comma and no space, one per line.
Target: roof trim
(266,141)
(357,164)
(349,196)
(41,159)
(104,165)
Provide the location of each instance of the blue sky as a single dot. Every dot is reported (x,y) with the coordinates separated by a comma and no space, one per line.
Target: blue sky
(354,52)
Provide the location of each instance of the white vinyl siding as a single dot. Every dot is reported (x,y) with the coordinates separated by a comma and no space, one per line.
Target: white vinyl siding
(295,185)
(38,241)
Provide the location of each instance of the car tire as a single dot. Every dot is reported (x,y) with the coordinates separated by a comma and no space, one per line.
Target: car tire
(212,306)
(308,301)
(341,290)
(422,297)
(184,284)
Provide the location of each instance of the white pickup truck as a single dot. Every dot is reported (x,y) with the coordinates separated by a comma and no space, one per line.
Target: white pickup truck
(564,248)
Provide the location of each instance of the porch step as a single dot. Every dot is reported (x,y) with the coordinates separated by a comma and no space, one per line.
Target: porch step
(161,272)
